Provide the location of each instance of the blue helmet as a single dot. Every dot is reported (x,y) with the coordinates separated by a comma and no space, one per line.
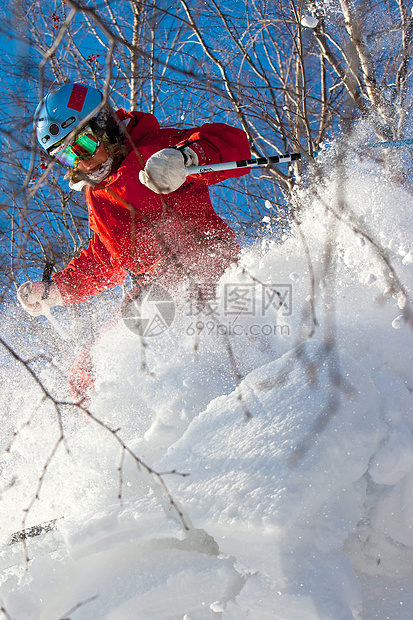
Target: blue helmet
(59,112)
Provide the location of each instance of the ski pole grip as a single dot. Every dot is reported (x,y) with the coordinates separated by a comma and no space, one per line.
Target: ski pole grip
(47,278)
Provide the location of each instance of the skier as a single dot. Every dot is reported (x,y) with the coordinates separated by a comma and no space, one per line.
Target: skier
(149,219)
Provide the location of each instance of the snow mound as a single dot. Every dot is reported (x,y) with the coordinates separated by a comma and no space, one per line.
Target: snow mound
(262,447)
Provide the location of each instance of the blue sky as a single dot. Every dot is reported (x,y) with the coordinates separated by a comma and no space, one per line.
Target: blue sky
(183,102)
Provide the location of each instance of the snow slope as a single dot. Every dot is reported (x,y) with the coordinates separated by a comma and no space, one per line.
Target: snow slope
(293,424)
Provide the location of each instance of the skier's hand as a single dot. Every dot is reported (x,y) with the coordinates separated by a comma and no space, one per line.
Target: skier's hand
(38,297)
(165,171)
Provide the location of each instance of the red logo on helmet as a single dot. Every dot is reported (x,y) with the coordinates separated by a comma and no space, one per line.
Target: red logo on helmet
(77,97)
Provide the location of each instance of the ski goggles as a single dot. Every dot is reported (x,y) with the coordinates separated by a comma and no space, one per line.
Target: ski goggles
(84,146)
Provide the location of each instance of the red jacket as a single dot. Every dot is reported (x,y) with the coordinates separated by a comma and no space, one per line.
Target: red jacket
(138,230)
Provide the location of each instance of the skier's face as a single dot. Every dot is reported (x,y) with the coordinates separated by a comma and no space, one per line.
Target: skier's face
(93,163)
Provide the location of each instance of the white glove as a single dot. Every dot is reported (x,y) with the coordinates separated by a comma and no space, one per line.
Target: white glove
(165,170)
(31,294)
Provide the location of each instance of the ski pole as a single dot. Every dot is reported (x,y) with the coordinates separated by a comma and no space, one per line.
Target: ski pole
(390,143)
(46,279)
(279,159)
(244,163)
